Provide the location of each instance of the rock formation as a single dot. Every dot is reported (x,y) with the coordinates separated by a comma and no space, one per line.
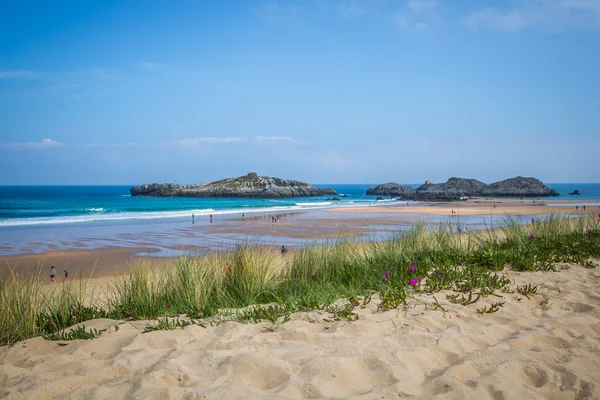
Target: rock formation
(575,193)
(518,187)
(391,189)
(250,185)
(453,189)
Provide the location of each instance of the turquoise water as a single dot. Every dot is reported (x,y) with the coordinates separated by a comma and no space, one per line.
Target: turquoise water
(51,205)
(42,205)
(37,219)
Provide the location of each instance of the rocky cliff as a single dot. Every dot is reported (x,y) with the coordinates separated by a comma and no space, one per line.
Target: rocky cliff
(250,185)
(519,187)
(391,189)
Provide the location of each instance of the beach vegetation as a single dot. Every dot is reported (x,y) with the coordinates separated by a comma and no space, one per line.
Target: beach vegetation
(168,324)
(254,283)
(77,333)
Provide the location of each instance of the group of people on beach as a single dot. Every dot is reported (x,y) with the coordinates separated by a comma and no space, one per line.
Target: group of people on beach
(53,274)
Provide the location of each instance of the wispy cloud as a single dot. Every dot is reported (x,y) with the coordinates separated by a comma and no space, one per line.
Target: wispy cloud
(19,73)
(285,139)
(551,15)
(43,144)
(183,143)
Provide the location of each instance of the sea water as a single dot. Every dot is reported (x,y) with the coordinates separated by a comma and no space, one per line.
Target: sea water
(49,205)
(43,205)
(41,218)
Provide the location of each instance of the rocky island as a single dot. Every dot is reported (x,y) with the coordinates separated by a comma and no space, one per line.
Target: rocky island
(457,188)
(391,189)
(250,185)
(519,187)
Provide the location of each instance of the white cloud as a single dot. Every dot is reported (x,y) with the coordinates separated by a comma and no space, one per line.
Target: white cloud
(19,73)
(551,15)
(43,144)
(286,139)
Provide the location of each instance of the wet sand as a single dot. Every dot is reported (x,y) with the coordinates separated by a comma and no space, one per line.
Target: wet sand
(105,255)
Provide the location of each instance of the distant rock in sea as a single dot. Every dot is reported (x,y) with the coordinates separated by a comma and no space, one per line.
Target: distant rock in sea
(391,189)
(453,189)
(519,187)
(250,185)
(575,193)
(457,188)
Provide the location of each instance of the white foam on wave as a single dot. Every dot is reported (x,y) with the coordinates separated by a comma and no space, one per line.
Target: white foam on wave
(103,216)
(71,219)
(314,204)
(95,209)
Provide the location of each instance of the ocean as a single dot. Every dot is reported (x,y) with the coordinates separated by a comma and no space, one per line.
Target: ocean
(35,219)
(52,205)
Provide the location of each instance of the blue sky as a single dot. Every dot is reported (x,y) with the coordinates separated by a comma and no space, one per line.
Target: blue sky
(324,91)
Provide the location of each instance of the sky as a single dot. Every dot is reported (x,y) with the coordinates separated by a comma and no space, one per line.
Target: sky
(323,91)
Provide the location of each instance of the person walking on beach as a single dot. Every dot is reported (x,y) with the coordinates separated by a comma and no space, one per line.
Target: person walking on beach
(283,251)
(52,274)
(66,274)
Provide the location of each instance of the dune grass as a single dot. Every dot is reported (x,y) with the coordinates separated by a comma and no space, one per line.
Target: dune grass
(257,280)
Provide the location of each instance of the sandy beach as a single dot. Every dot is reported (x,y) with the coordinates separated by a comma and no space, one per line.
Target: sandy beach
(545,346)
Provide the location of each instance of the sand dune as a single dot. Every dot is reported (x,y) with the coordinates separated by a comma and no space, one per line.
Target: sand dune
(542,347)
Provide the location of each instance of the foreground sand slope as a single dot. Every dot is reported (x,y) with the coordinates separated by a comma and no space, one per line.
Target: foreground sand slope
(531,349)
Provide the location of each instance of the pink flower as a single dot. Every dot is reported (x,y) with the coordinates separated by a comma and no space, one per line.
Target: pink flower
(386,275)
(168,306)
(586,238)
(589,230)
(412,267)
(532,236)
(413,282)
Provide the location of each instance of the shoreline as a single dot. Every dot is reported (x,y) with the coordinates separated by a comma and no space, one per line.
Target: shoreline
(112,256)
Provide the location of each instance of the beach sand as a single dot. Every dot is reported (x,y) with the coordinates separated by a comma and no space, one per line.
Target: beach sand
(542,347)
(546,346)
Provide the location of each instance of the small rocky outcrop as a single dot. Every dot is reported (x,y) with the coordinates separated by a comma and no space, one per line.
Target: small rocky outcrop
(519,187)
(575,193)
(391,189)
(250,185)
(451,190)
